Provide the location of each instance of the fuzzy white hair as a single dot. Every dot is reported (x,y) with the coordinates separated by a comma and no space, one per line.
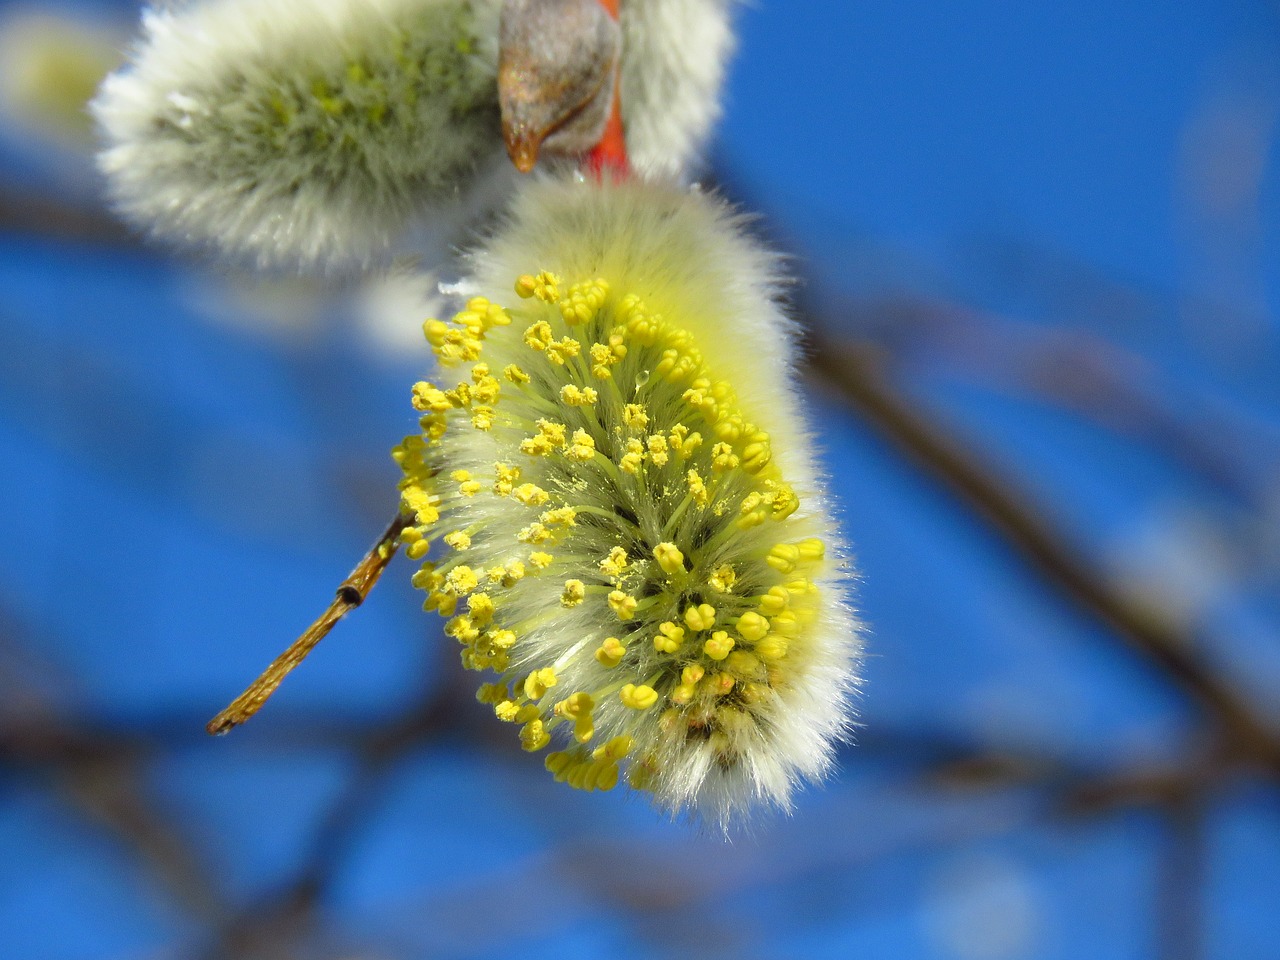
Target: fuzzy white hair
(300,131)
(675,53)
(317,132)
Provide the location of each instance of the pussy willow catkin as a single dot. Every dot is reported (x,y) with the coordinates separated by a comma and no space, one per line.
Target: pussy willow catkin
(300,131)
(617,508)
(318,132)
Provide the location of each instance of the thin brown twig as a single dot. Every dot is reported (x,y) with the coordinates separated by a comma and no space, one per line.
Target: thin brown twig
(855,373)
(350,594)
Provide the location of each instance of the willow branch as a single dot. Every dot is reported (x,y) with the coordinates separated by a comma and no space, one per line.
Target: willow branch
(350,594)
(855,373)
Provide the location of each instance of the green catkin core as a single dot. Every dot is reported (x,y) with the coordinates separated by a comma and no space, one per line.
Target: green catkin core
(400,111)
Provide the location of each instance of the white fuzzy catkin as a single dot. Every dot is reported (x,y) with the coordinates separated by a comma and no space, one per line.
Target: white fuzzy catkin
(621,506)
(300,131)
(673,66)
(316,132)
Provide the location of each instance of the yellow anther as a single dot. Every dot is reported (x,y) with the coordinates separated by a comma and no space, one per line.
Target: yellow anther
(615,563)
(536,446)
(783,500)
(743,664)
(528,713)
(633,459)
(775,601)
(487,389)
(801,587)
(506,711)
(501,639)
(530,494)
(610,653)
(785,624)
(583,301)
(685,446)
(752,626)
(615,749)
(700,617)
(443,603)
(557,763)
(722,578)
(719,646)
(492,693)
(470,488)
(428,398)
(669,558)
(622,604)
(604,356)
(560,517)
(633,416)
(533,736)
(460,476)
(783,557)
(480,606)
(482,417)
(534,533)
(723,458)
(514,374)
(697,488)
(434,427)
(754,511)
(755,456)
(583,448)
(574,593)
(422,504)
(721,684)
(772,648)
(730,428)
(545,286)
(538,336)
(461,580)
(552,431)
(754,693)
(539,682)
(540,560)
(426,578)
(506,479)
(811,550)
(480,315)
(584,730)
(563,351)
(683,693)
(460,396)
(578,397)
(638,697)
(575,705)
(669,638)
(658,450)
(435,331)
(462,628)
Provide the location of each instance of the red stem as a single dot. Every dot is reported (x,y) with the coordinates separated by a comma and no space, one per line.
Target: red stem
(611,152)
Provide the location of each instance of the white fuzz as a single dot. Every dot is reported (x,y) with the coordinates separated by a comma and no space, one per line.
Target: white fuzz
(314,132)
(300,131)
(621,507)
(674,55)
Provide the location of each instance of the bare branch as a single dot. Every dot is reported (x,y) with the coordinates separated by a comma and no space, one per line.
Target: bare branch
(854,372)
(350,594)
